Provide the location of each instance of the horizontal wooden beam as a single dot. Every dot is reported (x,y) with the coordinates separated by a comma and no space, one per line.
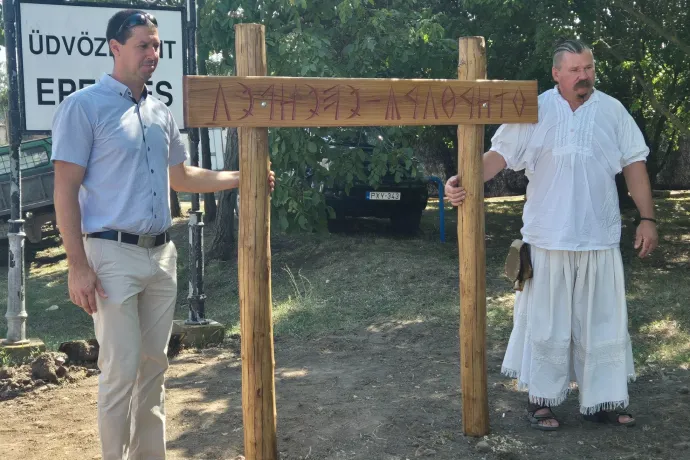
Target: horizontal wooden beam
(314,102)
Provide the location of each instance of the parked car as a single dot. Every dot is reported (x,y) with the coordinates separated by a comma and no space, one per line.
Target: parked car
(402,201)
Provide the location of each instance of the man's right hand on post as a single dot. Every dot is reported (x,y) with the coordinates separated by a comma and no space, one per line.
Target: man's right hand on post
(83,287)
(454,193)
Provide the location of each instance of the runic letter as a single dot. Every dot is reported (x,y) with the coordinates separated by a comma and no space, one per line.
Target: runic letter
(519,100)
(315,110)
(415,99)
(392,107)
(219,95)
(250,111)
(430,97)
(469,102)
(336,96)
(284,102)
(448,100)
(355,111)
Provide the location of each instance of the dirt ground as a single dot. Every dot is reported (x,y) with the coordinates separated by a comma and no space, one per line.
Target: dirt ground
(387,392)
(380,391)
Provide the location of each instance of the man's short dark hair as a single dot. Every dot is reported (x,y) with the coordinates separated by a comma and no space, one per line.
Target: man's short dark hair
(116,22)
(568,46)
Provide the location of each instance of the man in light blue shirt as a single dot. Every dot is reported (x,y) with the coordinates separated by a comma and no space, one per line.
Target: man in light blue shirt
(116,152)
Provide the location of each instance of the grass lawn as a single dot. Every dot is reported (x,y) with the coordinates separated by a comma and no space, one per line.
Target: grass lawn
(367,276)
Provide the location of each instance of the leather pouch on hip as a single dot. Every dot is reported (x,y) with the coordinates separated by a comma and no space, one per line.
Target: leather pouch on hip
(518,266)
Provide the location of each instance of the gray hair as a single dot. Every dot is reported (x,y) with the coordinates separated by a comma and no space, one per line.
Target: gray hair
(568,46)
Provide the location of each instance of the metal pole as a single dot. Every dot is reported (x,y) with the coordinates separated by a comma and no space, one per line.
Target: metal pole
(191,70)
(441,209)
(196,296)
(16,308)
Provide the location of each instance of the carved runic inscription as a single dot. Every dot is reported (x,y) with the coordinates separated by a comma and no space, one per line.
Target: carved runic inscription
(332,97)
(288,101)
(250,111)
(355,92)
(430,97)
(284,101)
(220,96)
(448,100)
(414,100)
(519,101)
(392,107)
(315,111)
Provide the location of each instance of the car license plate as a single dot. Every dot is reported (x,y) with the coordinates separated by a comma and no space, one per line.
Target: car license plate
(386,196)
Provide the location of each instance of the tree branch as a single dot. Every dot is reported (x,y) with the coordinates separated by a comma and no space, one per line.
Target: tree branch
(656,26)
(676,122)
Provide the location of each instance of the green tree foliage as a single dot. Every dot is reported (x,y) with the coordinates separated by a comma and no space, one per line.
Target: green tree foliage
(332,38)
(642,62)
(642,49)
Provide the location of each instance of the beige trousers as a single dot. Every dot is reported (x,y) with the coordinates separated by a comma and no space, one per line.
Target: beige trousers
(133,326)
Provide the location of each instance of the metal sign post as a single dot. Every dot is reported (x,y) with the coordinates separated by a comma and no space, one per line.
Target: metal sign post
(196,296)
(16,307)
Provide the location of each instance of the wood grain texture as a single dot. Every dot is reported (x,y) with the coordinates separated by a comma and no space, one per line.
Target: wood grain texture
(254,264)
(311,102)
(475,406)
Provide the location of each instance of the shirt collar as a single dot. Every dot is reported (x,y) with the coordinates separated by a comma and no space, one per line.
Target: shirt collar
(120,88)
(594,97)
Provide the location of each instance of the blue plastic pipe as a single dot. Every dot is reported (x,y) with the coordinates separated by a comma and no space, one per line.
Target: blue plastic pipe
(441,208)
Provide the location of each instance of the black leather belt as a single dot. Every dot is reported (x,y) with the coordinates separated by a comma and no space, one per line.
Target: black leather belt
(145,241)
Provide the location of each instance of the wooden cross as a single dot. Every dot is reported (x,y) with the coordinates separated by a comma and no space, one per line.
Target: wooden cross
(253,102)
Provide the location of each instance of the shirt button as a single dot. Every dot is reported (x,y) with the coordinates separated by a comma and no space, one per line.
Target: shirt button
(152,171)
(149,148)
(154,193)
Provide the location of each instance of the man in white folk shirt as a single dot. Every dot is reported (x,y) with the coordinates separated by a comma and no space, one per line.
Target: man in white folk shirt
(570,320)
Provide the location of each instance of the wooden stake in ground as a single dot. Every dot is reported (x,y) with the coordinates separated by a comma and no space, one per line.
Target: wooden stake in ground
(253,102)
(254,253)
(475,405)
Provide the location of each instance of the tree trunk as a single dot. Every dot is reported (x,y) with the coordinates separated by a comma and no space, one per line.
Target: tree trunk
(655,147)
(175,210)
(223,246)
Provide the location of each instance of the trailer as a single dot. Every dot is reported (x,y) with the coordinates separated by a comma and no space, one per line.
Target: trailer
(37,189)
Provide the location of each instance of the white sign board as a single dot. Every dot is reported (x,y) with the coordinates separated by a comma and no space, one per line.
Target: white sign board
(63,49)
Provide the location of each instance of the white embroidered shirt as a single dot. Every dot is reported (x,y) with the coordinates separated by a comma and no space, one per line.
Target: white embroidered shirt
(571,159)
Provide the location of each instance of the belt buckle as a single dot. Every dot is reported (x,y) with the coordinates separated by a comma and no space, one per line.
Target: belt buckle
(146,241)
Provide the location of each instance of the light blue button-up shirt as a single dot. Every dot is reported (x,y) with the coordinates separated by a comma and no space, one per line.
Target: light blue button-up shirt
(126,148)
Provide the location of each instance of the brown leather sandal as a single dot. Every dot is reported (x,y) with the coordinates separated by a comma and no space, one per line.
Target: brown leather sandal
(537,419)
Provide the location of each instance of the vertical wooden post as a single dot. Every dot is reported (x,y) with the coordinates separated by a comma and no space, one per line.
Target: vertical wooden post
(258,385)
(475,405)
